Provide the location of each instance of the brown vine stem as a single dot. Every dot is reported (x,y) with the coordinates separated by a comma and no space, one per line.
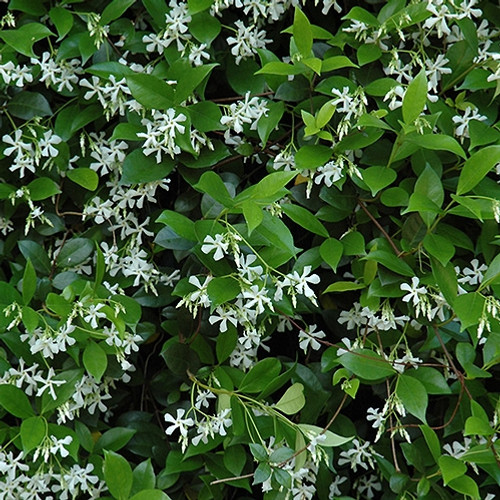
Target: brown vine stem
(235,478)
(381,229)
(457,372)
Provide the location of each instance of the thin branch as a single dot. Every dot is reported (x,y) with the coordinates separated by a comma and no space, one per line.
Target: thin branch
(381,229)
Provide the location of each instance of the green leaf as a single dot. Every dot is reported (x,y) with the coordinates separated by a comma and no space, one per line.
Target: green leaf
(438,142)
(367,364)
(62,19)
(85,177)
(95,360)
(465,485)
(226,343)
(188,78)
(310,157)
(29,282)
(205,116)
(114,439)
(114,10)
(204,27)
(305,219)
(118,475)
(253,215)
(391,262)
(150,91)
(336,62)
(332,439)
(258,452)
(367,53)
(482,134)
(415,98)
(199,5)
(262,473)
(14,401)
(377,178)
(478,426)
(144,476)
(28,105)
(439,247)
(42,188)
(221,290)
(413,395)
(451,468)
(139,169)
(432,441)
(74,252)
(268,123)
(211,184)
(360,14)
(302,33)
(179,223)
(271,185)
(23,39)
(344,286)
(33,432)
(293,400)
(469,308)
(492,274)
(476,168)
(37,254)
(280,68)
(331,252)
(150,494)
(446,279)
(432,379)
(260,375)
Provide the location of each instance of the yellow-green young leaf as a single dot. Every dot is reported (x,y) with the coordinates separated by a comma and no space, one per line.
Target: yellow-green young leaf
(31,318)
(367,53)
(33,431)
(312,156)
(477,426)
(211,184)
(253,215)
(331,252)
(476,168)
(415,98)
(314,63)
(325,114)
(492,275)
(305,219)
(272,184)
(413,396)
(118,475)
(95,360)
(23,38)
(85,177)
(29,282)
(293,400)
(302,33)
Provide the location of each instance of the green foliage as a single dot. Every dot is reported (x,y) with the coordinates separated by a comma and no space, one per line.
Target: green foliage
(249,249)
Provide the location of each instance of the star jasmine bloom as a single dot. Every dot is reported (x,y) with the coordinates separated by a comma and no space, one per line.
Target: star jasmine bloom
(473,275)
(222,422)
(329,173)
(301,282)
(182,424)
(93,314)
(48,383)
(258,298)
(197,54)
(308,336)
(223,316)
(334,490)
(408,359)
(202,399)
(58,445)
(462,122)
(359,454)
(414,291)
(369,485)
(218,244)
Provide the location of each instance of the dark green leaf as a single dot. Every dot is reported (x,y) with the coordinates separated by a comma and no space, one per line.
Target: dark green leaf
(28,105)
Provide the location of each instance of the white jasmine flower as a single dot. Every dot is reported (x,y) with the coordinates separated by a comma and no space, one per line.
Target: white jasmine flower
(178,423)
(308,336)
(415,292)
(219,244)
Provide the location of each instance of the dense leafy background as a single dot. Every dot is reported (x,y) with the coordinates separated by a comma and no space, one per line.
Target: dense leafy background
(249,249)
